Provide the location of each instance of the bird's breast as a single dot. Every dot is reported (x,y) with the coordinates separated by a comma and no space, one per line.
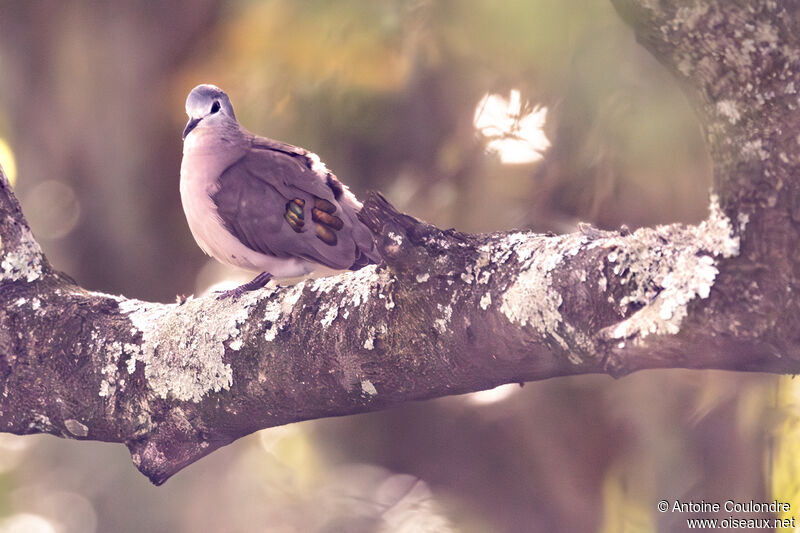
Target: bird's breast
(200,173)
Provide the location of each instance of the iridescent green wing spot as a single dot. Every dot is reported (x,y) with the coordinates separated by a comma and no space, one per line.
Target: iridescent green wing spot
(294,214)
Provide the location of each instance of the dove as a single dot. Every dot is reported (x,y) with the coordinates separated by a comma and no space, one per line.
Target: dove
(264,205)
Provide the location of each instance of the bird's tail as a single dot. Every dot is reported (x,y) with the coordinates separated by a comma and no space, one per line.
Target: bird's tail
(363,260)
(378,211)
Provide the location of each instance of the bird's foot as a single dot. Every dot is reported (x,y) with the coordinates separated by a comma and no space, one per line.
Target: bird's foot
(254,284)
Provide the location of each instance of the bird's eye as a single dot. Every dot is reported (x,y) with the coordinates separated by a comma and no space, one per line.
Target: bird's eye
(215,107)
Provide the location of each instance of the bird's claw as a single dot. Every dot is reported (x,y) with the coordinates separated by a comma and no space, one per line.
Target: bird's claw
(232,293)
(254,284)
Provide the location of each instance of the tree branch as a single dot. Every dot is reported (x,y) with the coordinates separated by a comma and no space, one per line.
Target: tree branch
(446,313)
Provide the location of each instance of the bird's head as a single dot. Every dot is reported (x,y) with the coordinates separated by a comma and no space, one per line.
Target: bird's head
(207,104)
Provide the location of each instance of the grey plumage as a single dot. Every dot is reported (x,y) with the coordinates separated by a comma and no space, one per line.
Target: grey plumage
(261,204)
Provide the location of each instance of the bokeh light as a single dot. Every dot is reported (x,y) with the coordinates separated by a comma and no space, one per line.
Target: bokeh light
(26,523)
(8,162)
(12,450)
(52,208)
(515,132)
(495,395)
(73,512)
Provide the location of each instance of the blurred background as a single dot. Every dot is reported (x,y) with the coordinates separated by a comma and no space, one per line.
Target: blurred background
(389,94)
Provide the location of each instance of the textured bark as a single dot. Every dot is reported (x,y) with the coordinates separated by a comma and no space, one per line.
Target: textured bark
(446,312)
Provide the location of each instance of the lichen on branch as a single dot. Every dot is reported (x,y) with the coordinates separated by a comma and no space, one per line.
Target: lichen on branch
(445,312)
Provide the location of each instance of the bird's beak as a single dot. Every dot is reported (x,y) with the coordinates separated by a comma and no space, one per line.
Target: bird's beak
(192,124)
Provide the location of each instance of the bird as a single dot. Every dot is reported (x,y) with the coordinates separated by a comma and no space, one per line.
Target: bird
(264,205)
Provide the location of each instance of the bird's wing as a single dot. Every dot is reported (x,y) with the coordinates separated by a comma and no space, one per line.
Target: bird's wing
(279,200)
